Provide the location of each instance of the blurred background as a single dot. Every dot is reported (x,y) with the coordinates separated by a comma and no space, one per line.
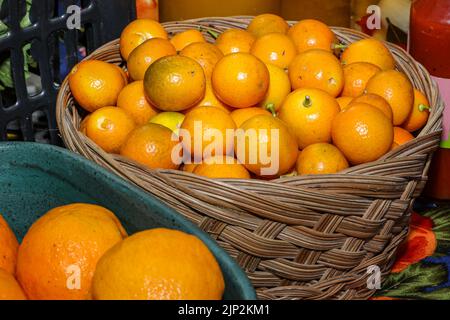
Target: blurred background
(343,13)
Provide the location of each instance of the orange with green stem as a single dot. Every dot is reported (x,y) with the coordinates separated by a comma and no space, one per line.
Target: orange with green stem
(420,113)
(309,114)
(279,88)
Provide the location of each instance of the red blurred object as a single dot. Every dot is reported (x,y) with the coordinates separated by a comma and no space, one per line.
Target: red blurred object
(421,243)
(429,43)
(363,24)
(147,9)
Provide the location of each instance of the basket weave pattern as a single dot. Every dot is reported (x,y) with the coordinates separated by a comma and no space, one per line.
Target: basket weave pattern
(309,237)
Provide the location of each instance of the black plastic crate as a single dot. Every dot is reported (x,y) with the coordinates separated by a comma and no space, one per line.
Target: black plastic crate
(38,50)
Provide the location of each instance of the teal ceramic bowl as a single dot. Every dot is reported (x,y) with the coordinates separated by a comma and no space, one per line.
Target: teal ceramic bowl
(35,178)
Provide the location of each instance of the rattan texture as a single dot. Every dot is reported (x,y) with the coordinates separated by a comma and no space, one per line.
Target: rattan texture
(303,237)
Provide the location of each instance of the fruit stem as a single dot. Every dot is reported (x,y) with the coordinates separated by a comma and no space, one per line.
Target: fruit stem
(340,46)
(307,103)
(271,107)
(212,33)
(423,107)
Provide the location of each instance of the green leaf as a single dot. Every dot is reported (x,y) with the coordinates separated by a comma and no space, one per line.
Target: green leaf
(441,227)
(25,22)
(3,26)
(28,58)
(5,74)
(6,79)
(411,283)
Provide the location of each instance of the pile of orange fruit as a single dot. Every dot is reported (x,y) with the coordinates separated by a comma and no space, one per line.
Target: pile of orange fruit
(334,106)
(82,252)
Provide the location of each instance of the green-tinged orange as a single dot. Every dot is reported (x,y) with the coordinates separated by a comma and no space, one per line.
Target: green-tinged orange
(175,83)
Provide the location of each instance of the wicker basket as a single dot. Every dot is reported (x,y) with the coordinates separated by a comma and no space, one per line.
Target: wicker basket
(310,237)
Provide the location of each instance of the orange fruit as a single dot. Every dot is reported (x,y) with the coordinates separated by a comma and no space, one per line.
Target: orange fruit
(152,145)
(132,99)
(275,48)
(241,115)
(158,264)
(363,133)
(318,69)
(401,136)
(420,113)
(222,167)
(321,158)
(267,23)
(241,80)
(206,54)
(171,120)
(369,50)
(189,167)
(9,287)
(309,113)
(147,9)
(125,74)
(235,40)
(95,84)
(83,124)
(210,100)
(220,106)
(59,253)
(344,102)
(204,133)
(312,34)
(398,91)
(279,88)
(137,32)
(265,146)
(356,76)
(376,101)
(185,38)
(8,247)
(109,127)
(175,83)
(143,56)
